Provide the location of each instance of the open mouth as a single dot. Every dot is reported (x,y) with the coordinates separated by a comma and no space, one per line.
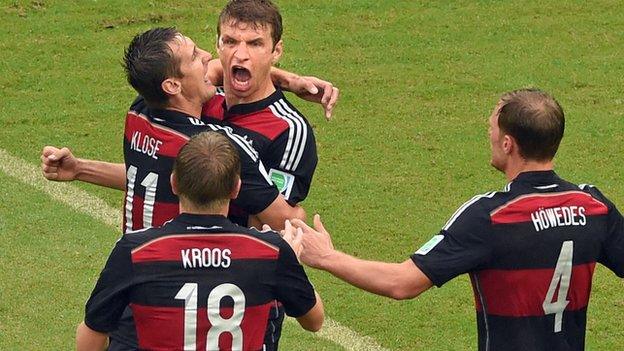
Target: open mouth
(240,77)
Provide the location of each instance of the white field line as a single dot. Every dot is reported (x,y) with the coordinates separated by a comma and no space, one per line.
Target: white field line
(83,202)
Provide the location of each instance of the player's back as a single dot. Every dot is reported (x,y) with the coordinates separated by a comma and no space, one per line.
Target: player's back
(202,283)
(153,138)
(545,237)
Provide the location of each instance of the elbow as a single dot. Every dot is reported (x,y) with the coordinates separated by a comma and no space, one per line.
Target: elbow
(314,325)
(299,213)
(400,292)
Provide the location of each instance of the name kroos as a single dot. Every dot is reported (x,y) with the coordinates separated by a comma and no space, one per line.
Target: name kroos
(546,218)
(206,258)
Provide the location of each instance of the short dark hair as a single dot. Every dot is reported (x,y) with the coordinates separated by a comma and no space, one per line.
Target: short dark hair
(535,119)
(207,170)
(148,61)
(258,13)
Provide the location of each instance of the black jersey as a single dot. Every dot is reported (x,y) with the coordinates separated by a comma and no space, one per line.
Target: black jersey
(152,140)
(281,134)
(530,251)
(200,282)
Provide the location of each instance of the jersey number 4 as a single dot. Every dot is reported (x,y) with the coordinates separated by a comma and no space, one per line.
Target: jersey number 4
(219,325)
(561,278)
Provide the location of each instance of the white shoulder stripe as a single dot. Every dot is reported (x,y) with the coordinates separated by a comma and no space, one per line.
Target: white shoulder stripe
(464,207)
(585,186)
(297,134)
(291,132)
(220,91)
(295,158)
(238,139)
(544,187)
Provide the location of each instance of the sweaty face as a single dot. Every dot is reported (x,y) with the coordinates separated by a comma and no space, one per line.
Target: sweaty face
(195,85)
(247,54)
(498,158)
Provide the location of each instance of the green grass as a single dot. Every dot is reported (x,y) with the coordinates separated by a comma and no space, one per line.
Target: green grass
(407,146)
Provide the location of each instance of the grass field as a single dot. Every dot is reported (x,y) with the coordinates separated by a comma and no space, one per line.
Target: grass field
(406,147)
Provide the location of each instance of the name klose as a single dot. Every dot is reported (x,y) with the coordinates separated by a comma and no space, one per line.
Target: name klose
(206,258)
(546,218)
(145,144)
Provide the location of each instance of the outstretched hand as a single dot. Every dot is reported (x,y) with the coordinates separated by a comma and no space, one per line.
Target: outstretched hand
(293,237)
(58,164)
(314,89)
(317,245)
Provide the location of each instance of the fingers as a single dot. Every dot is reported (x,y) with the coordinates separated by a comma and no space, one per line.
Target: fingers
(297,223)
(286,233)
(54,154)
(318,225)
(310,87)
(331,102)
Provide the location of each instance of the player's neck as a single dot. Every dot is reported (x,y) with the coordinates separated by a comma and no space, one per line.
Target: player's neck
(185,106)
(523,165)
(232,99)
(187,207)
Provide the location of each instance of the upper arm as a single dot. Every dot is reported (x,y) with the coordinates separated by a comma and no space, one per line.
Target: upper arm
(313,319)
(88,339)
(460,247)
(279,211)
(612,255)
(410,281)
(111,293)
(293,289)
(257,192)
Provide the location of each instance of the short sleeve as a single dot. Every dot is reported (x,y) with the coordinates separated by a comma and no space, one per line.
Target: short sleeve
(110,295)
(257,191)
(612,255)
(460,247)
(293,288)
(291,160)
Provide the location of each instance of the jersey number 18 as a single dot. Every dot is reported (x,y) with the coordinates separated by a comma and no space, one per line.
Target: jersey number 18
(219,325)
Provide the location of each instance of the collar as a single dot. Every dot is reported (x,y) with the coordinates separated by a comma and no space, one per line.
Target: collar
(244,109)
(538,177)
(172,116)
(203,220)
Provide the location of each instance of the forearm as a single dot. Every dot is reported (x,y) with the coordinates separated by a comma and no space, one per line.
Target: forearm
(283,79)
(111,175)
(396,280)
(88,339)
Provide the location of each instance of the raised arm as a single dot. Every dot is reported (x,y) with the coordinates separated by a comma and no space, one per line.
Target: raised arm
(396,280)
(61,165)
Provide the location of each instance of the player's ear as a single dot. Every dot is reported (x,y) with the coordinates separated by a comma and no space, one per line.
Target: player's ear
(174,183)
(236,190)
(218,42)
(509,144)
(277,51)
(171,86)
